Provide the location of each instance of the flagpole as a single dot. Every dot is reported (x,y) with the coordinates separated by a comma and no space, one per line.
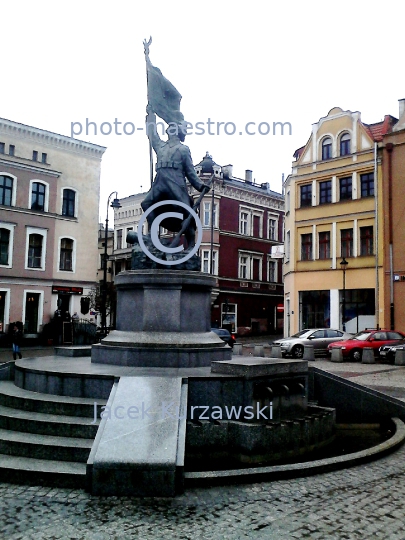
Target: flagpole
(146,45)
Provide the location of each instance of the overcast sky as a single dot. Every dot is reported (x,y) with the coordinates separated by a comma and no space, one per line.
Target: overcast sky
(233,62)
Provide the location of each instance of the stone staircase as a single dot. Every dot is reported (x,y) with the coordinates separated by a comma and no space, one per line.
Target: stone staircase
(45,438)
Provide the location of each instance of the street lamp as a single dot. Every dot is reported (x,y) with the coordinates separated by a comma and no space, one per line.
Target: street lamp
(343,265)
(114,204)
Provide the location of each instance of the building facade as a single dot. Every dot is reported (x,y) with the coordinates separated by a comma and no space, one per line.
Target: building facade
(49,203)
(392,155)
(333,245)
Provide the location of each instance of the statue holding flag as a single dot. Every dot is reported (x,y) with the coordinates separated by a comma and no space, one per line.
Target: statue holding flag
(174,164)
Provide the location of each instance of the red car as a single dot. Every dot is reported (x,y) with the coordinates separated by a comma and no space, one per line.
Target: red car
(353,348)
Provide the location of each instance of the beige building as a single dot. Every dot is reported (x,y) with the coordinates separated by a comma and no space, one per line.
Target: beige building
(330,219)
(49,205)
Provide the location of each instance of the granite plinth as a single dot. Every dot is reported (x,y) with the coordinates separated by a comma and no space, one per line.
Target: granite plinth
(163,320)
(139,448)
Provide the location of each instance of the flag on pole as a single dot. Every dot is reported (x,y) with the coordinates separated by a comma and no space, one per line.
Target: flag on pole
(163,97)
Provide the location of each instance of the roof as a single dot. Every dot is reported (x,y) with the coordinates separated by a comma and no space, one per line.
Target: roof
(378,130)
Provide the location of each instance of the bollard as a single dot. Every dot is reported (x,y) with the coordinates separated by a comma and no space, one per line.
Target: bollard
(248,349)
(368,356)
(276,351)
(259,350)
(309,353)
(267,351)
(237,349)
(400,357)
(337,355)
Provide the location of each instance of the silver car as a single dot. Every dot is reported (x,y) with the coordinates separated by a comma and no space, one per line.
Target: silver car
(318,337)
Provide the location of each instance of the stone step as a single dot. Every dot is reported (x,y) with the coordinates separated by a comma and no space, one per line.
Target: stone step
(73,351)
(47,424)
(27,470)
(15,443)
(27,400)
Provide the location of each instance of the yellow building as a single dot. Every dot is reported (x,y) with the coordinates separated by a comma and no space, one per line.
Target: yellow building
(331,197)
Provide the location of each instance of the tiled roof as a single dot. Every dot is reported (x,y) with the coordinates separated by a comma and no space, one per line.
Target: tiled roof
(378,130)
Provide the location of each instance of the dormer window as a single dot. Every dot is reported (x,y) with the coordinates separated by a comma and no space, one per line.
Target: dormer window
(326,149)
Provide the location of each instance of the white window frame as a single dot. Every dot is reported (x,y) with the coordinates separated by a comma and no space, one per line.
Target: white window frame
(76,200)
(73,255)
(40,306)
(251,214)
(44,234)
(206,257)
(251,256)
(273,217)
(46,203)
(207,223)
(272,261)
(9,227)
(224,313)
(14,191)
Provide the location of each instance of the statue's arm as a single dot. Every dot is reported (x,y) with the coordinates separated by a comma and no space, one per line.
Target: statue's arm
(189,170)
(151,131)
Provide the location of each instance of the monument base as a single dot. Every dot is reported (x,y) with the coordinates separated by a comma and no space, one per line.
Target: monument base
(164,320)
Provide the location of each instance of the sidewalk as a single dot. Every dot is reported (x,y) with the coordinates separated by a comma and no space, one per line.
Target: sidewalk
(6,354)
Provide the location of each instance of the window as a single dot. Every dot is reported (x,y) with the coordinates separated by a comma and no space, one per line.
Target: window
(34,155)
(345,144)
(35,251)
(287,246)
(66,255)
(68,202)
(326,148)
(273,228)
(345,188)
(306,195)
(207,215)
(229,316)
(366,241)
(324,245)
(206,262)
(367,184)
(4,247)
(306,247)
(38,192)
(6,190)
(129,229)
(346,242)
(244,223)
(11,150)
(325,192)
(44,157)
(2,148)
(243,267)
(119,239)
(271,271)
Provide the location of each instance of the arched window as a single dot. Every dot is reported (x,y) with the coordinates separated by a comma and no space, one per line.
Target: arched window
(69,203)
(327,148)
(345,144)
(6,190)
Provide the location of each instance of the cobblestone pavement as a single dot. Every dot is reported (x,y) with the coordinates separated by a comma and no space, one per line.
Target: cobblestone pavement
(362,502)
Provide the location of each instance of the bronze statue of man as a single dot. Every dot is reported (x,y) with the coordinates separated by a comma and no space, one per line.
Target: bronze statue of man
(174,165)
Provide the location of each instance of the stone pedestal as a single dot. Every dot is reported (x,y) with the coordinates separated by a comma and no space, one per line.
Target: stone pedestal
(163,320)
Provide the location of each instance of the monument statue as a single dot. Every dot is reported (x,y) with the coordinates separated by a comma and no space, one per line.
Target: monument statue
(174,164)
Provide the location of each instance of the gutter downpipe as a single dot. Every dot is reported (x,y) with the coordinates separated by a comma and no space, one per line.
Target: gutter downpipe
(389,147)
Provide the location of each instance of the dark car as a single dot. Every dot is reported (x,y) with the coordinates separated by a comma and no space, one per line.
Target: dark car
(225,335)
(387,352)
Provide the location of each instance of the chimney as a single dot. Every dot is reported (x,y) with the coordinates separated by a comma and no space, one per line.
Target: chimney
(227,171)
(401,107)
(248,176)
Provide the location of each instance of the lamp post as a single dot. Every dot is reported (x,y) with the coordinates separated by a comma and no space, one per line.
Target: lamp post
(343,265)
(114,204)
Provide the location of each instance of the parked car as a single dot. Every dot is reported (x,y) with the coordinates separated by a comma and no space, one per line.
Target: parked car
(387,352)
(225,335)
(318,337)
(352,349)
